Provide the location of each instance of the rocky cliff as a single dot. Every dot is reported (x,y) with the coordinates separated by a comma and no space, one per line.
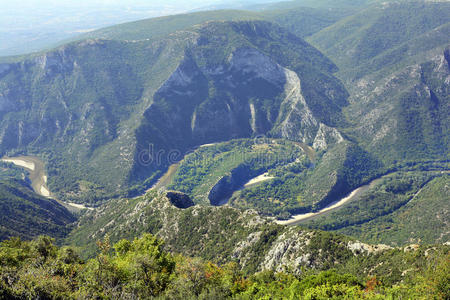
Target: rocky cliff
(108,113)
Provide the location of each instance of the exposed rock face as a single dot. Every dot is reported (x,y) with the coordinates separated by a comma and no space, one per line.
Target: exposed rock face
(180,200)
(406,114)
(246,95)
(361,248)
(142,105)
(224,234)
(289,251)
(326,135)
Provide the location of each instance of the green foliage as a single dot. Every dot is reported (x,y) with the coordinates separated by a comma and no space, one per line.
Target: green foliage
(10,171)
(305,21)
(37,269)
(301,188)
(141,269)
(241,160)
(136,269)
(109,102)
(421,220)
(381,198)
(397,112)
(358,40)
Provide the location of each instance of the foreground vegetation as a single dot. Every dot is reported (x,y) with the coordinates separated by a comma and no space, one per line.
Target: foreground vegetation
(142,269)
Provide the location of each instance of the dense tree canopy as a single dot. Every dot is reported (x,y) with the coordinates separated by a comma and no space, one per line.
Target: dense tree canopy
(141,269)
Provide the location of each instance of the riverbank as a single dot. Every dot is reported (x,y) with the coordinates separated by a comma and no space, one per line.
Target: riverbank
(258,179)
(333,206)
(297,219)
(36,169)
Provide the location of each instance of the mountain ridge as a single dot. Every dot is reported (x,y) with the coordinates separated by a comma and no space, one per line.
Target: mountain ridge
(79,91)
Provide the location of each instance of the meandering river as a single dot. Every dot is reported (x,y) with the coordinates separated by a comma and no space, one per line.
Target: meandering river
(333,206)
(296,219)
(38,177)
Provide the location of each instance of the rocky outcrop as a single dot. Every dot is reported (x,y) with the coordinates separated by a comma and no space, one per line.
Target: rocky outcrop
(289,251)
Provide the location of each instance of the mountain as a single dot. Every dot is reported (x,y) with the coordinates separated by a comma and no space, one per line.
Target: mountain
(384,35)
(305,18)
(116,113)
(424,219)
(323,4)
(305,21)
(291,175)
(164,26)
(96,109)
(405,116)
(393,59)
(236,142)
(229,237)
(28,215)
(397,209)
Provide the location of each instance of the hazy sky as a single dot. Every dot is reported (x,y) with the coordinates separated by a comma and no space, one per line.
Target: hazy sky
(45,4)
(31,25)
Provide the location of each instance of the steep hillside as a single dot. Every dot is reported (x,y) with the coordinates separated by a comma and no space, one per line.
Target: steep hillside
(399,208)
(224,234)
(25,214)
(302,187)
(221,234)
(424,219)
(405,115)
(391,30)
(107,113)
(393,58)
(304,21)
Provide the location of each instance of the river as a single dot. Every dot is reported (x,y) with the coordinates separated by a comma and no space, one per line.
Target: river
(36,168)
(333,206)
(296,219)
